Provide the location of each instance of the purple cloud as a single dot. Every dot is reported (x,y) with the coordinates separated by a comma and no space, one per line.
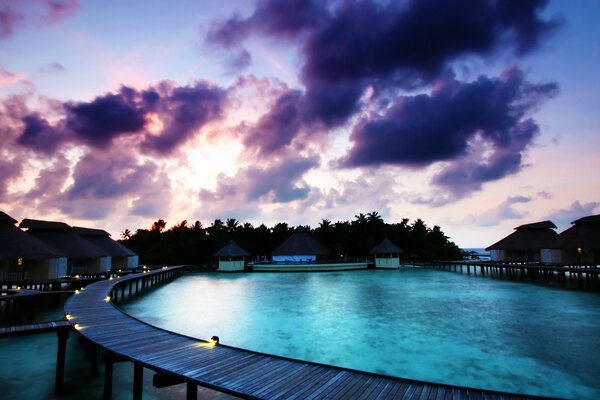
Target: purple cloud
(181,110)
(39,135)
(479,128)
(278,127)
(563,217)
(8,171)
(98,122)
(280,182)
(352,45)
(23,12)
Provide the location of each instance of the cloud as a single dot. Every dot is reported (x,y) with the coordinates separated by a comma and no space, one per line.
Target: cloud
(52,68)
(478,128)
(9,169)
(14,14)
(563,217)
(159,119)
(279,182)
(351,45)
(503,211)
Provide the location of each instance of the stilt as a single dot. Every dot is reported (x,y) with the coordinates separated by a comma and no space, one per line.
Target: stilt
(192,391)
(138,381)
(108,373)
(59,382)
(93,360)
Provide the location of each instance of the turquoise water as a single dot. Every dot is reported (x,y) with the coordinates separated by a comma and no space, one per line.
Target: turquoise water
(415,323)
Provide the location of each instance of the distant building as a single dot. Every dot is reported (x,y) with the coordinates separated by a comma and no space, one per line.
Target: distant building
(82,256)
(120,256)
(534,242)
(300,247)
(581,242)
(232,257)
(387,254)
(23,257)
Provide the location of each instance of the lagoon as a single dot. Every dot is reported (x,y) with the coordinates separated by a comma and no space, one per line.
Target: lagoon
(413,323)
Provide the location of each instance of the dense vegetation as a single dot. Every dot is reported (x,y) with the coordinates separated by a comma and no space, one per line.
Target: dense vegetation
(186,243)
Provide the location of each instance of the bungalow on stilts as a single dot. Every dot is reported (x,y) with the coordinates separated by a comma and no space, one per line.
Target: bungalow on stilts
(121,257)
(23,257)
(534,242)
(581,242)
(82,256)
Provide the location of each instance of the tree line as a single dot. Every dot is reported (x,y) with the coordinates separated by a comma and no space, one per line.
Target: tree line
(193,243)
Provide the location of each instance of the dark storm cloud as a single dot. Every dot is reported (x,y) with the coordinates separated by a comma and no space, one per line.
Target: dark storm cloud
(182,110)
(106,117)
(39,135)
(355,44)
(279,126)
(23,12)
(446,124)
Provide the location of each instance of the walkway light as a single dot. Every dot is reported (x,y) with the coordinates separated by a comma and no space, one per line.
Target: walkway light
(214,340)
(77,291)
(107,298)
(68,316)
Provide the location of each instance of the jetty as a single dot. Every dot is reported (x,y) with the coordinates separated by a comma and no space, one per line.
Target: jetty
(178,359)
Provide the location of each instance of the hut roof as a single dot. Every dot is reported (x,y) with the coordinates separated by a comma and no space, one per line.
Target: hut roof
(537,226)
(536,236)
(386,247)
(17,244)
(6,219)
(231,249)
(63,238)
(36,224)
(300,243)
(584,233)
(101,239)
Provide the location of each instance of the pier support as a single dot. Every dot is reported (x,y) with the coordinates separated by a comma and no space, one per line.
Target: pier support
(138,380)
(59,382)
(192,391)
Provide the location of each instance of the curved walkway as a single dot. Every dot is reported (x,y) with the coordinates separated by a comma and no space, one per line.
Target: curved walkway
(236,371)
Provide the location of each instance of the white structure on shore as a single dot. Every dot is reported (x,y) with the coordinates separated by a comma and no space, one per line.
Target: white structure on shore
(232,257)
(387,254)
(536,242)
(300,247)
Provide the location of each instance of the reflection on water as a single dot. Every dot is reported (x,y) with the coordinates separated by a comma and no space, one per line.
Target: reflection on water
(421,324)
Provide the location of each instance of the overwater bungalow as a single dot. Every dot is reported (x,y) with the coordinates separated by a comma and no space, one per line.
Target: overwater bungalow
(302,252)
(82,256)
(121,257)
(535,242)
(581,242)
(24,257)
(387,254)
(232,257)
(300,247)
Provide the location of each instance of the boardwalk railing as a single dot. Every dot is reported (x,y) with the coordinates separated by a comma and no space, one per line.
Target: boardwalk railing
(181,359)
(584,276)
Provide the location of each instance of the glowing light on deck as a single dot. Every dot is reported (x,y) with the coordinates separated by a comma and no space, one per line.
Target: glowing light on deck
(107,298)
(68,317)
(77,291)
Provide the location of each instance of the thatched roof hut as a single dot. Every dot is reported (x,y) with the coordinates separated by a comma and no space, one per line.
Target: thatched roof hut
(581,242)
(526,243)
(63,238)
(386,247)
(17,244)
(100,238)
(231,249)
(301,243)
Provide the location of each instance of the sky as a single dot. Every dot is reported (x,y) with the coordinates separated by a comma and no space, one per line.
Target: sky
(476,116)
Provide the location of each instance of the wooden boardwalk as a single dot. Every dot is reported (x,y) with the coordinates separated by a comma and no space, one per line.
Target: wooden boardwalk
(239,372)
(29,329)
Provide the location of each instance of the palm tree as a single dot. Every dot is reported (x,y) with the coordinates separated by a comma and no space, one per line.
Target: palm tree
(158,226)
(374,218)
(126,234)
(360,219)
(232,225)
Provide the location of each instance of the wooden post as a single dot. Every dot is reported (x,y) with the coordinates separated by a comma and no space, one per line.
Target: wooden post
(93,360)
(108,373)
(192,391)
(59,382)
(138,381)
